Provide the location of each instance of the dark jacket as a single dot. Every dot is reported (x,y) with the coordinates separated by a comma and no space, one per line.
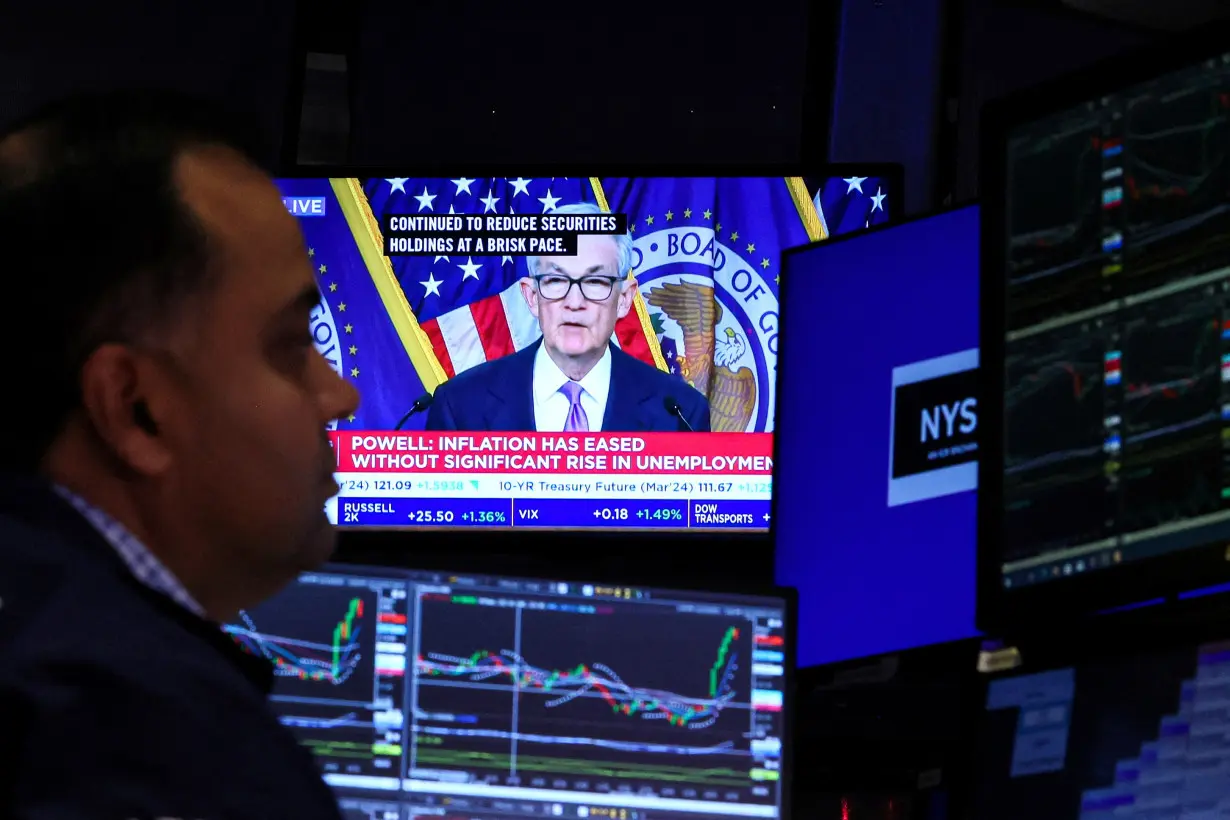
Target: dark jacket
(498,396)
(117,703)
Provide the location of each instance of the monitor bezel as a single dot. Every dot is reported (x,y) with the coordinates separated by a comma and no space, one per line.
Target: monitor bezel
(532,571)
(1050,605)
(785,312)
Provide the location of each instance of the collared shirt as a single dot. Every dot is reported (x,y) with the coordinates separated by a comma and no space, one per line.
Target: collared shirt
(551,406)
(142,563)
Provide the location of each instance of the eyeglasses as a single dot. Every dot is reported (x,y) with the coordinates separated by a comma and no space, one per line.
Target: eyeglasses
(553,287)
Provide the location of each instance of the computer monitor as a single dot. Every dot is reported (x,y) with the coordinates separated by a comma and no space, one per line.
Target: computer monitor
(466,419)
(877,457)
(509,697)
(1106,219)
(1133,725)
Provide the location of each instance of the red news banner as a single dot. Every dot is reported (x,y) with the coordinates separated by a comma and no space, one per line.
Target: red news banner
(555,453)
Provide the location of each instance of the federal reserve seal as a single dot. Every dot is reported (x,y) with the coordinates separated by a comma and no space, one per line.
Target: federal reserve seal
(325,337)
(716,318)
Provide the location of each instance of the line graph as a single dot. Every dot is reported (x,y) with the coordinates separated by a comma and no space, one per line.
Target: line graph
(332,641)
(1177,178)
(305,664)
(566,699)
(1171,369)
(1172,416)
(562,687)
(1055,243)
(1055,484)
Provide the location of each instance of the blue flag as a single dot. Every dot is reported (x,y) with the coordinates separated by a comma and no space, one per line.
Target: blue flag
(708,254)
(353,326)
(848,204)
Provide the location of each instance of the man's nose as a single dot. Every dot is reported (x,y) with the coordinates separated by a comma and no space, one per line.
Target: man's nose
(575,300)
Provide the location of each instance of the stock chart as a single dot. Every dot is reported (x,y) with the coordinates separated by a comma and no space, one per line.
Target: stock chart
(1171,410)
(1177,178)
(425,694)
(1055,234)
(337,645)
(603,697)
(1116,399)
(1055,482)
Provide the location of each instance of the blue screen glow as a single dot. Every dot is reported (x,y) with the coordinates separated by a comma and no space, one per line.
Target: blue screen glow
(877,426)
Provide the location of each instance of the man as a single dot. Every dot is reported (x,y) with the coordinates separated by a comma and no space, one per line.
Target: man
(574,379)
(165,464)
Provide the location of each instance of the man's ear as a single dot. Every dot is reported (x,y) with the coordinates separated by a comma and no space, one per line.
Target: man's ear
(627,293)
(530,294)
(115,386)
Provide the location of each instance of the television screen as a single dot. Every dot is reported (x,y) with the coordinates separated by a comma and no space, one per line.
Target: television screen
(551,352)
(1114,333)
(875,514)
(1139,734)
(499,696)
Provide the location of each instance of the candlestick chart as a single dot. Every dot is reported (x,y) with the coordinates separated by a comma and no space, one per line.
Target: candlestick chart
(537,696)
(325,654)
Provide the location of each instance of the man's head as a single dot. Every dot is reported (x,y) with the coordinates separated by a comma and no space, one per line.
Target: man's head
(167,371)
(578,299)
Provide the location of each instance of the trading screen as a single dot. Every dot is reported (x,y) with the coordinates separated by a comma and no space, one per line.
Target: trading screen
(500,697)
(1118,341)
(1139,736)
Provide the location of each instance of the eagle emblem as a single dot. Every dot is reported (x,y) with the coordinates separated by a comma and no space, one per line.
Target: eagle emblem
(710,363)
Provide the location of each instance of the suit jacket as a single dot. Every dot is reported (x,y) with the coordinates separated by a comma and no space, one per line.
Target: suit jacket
(116,702)
(498,396)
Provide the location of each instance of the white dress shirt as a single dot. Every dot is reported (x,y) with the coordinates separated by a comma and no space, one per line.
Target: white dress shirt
(551,406)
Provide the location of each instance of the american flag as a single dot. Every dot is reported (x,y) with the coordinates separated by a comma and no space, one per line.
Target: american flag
(848,204)
(470,307)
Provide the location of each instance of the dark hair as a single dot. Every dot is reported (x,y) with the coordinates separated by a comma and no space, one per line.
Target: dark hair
(96,243)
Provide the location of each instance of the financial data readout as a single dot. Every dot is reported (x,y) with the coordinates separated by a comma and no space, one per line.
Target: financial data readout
(423,690)
(1117,405)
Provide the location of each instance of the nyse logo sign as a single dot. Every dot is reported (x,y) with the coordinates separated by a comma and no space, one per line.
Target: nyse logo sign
(934,449)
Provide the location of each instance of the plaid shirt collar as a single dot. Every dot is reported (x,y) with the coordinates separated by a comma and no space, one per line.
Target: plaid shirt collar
(142,563)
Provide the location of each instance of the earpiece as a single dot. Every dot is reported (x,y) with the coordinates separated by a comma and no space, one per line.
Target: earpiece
(142,418)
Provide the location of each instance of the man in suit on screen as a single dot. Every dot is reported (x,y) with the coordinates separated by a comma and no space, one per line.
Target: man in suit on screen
(575,379)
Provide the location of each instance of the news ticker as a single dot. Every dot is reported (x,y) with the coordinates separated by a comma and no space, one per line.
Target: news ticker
(575,455)
(491,235)
(552,513)
(719,481)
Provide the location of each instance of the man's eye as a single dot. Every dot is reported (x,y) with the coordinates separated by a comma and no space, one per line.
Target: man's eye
(554,280)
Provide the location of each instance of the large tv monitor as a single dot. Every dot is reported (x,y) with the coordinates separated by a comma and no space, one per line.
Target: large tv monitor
(1106,345)
(1130,723)
(492,696)
(876,464)
(647,404)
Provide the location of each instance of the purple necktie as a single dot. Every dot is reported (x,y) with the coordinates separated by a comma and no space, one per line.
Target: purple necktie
(577,421)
